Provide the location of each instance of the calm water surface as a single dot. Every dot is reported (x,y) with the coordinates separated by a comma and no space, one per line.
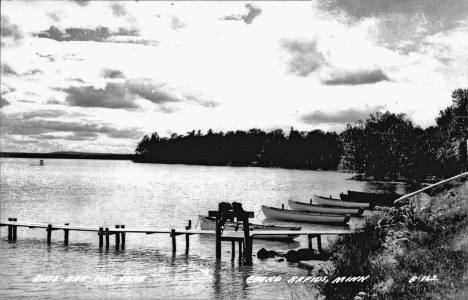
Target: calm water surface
(105,193)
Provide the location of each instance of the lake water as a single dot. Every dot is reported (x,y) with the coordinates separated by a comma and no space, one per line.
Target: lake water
(104,193)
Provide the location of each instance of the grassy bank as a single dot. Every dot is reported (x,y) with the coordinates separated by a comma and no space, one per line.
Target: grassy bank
(400,248)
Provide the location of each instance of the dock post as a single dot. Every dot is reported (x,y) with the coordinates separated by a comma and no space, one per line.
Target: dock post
(49,233)
(187,236)
(174,245)
(10,230)
(123,236)
(247,239)
(218,237)
(309,239)
(101,237)
(240,250)
(319,243)
(233,249)
(65,233)
(14,229)
(107,237)
(117,238)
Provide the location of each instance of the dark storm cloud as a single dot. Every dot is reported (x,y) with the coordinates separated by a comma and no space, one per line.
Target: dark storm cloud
(110,73)
(305,58)
(341,116)
(248,18)
(113,96)
(357,77)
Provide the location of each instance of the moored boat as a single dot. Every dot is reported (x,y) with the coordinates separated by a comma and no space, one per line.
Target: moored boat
(208,223)
(301,216)
(378,199)
(339,203)
(295,205)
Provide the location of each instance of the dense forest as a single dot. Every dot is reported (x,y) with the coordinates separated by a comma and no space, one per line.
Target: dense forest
(299,150)
(386,146)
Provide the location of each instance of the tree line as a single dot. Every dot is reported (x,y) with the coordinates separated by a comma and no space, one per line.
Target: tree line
(386,146)
(299,150)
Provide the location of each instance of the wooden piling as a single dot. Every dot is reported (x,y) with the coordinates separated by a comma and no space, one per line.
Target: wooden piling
(218,237)
(10,230)
(233,249)
(187,236)
(174,245)
(49,233)
(240,250)
(247,239)
(309,238)
(101,237)
(123,236)
(65,233)
(319,243)
(117,237)
(107,237)
(14,229)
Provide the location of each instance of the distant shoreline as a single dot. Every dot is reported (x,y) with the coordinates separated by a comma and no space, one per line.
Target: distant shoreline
(69,155)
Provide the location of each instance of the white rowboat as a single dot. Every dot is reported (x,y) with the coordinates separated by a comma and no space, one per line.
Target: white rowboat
(339,203)
(301,216)
(207,223)
(324,209)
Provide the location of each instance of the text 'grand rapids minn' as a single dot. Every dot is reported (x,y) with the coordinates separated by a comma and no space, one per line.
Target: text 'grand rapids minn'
(304,279)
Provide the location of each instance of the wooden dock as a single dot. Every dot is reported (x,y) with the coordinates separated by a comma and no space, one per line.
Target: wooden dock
(120,231)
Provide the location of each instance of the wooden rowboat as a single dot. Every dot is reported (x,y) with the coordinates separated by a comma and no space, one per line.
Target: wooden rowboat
(378,198)
(324,209)
(339,203)
(208,223)
(301,216)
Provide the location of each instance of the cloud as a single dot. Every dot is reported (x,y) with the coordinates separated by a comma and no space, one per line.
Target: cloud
(305,58)
(10,31)
(4,102)
(8,70)
(110,73)
(198,100)
(43,114)
(149,90)
(82,2)
(248,18)
(114,96)
(341,116)
(399,21)
(357,77)
(118,10)
(40,128)
(176,23)
(98,34)
(54,17)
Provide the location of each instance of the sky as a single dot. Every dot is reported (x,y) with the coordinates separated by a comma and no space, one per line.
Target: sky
(97,76)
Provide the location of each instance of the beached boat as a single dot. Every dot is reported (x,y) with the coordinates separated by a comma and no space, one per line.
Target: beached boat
(208,223)
(339,203)
(301,216)
(386,199)
(324,209)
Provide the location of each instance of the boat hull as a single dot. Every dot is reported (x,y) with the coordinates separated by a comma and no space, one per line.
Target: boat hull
(379,199)
(300,216)
(210,224)
(339,203)
(315,208)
